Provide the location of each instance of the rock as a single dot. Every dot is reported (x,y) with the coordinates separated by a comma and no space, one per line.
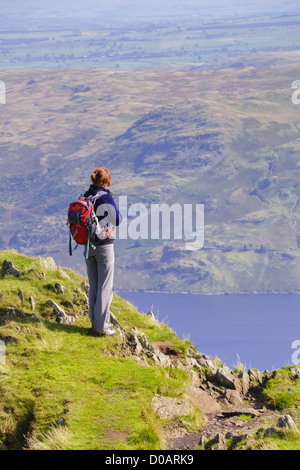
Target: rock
(9,340)
(115,322)
(151,315)
(85,287)
(203,441)
(227,379)
(245,381)
(61,422)
(169,407)
(295,373)
(134,343)
(277,375)
(236,439)
(47,263)
(21,296)
(62,273)
(271,432)
(8,269)
(255,376)
(240,411)
(61,316)
(219,440)
(32,302)
(233,397)
(57,288)
(202,400)
(35,317)
(287,422)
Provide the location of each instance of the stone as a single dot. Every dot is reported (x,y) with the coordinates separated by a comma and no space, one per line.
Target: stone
(8,269)
(227,379)
(21,296)
(269,432)
(32,302)
(35,317)
(219,440)
(61,422)
(47,263)
(115,322)
(59,288)
(287,422)
(203,441)
(240,411)
(245,381)
(170,408)
(85,287)
(134,343)
(295,373)
(277,375)
(61,316)
(202,400)
(150,314)
(255,376)
(62,273)
(233,397)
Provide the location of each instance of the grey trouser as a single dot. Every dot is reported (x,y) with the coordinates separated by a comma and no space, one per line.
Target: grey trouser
(100,271)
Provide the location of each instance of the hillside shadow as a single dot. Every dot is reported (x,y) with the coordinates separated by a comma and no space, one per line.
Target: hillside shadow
(74,329)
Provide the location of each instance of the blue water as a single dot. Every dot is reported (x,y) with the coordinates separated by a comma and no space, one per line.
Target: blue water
(257,329)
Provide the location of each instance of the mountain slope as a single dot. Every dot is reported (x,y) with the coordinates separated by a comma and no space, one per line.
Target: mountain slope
(145,388)
(228,139)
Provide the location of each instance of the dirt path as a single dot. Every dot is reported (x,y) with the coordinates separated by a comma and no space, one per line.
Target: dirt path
(217,423)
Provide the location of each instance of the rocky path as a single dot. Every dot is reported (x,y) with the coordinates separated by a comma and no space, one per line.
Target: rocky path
(224,422)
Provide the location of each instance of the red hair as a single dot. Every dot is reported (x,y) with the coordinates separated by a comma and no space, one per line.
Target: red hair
(101,177)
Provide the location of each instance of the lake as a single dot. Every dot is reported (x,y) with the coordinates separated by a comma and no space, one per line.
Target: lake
(256,329)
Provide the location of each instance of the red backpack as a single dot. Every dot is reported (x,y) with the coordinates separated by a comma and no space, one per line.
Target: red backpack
(82,221)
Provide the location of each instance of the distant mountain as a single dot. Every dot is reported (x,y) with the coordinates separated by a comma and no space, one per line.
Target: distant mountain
(226,139)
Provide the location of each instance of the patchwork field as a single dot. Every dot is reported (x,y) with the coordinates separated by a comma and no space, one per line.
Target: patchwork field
(228,139)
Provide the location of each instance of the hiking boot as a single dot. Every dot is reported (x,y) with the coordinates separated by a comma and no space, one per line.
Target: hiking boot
(108,332)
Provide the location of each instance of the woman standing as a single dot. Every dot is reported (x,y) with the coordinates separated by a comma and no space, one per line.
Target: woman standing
(100,261)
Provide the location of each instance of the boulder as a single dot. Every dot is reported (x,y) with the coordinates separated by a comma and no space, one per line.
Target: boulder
(133,342)
(169,407)
(287,422)
(269,432)
(295,373)
(47,263)
(225,377)
(233,397)
(61,316)
(57,288)
(255,376)
(8,269)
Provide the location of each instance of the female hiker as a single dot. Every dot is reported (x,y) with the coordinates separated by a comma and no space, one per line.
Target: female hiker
(100,260)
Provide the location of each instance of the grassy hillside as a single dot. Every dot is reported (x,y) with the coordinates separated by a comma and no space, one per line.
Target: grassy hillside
(59,372)
(61,388)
